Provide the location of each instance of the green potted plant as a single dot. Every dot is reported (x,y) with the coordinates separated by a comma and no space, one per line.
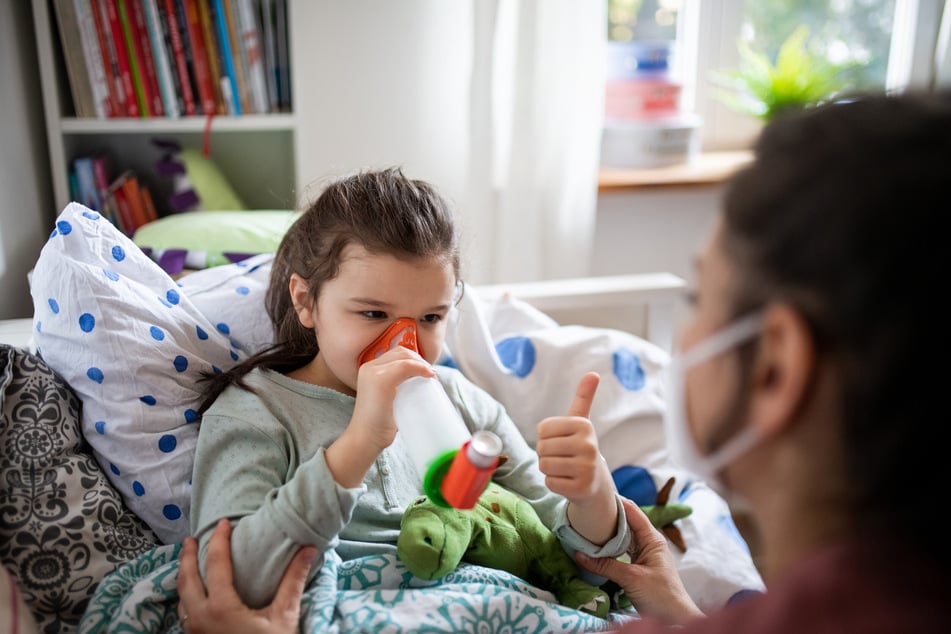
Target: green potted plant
(799,78)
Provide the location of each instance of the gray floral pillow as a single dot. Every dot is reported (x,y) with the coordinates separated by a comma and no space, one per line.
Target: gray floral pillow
(63,526)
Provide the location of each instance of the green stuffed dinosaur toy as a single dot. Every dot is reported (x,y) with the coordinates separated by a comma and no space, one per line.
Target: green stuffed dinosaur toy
(502,531)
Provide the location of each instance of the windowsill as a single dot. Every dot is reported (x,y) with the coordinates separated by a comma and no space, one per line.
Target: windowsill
(709,168)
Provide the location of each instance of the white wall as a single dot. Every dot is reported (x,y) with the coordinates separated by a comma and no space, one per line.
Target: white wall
(26,215)
(655,229)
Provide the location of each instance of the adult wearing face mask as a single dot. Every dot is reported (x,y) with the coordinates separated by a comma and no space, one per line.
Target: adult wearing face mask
(805,382)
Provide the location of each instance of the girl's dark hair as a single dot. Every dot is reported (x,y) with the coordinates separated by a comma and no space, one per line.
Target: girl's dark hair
(384,212)
(842,215)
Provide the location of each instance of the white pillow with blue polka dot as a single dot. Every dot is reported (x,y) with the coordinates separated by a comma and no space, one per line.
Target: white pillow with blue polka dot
(133,343)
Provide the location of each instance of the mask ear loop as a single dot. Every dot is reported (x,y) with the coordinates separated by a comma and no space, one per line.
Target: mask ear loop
(724,339)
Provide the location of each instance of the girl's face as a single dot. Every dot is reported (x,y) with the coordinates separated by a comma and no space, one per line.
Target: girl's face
(368,294)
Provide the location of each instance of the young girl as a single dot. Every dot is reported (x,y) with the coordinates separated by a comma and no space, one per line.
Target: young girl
(298,445)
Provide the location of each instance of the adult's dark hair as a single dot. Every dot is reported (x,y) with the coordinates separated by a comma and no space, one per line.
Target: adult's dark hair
(841,215)
(383,211)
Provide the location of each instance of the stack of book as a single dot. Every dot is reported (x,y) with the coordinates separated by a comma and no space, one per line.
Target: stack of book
(123,200)
(173,58)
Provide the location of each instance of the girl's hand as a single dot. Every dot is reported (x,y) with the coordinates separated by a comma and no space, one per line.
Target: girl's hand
(372,428)
(651,580)
(569,456)
(377,381)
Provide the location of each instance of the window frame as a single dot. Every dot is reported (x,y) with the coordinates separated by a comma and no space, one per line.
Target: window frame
(707,31)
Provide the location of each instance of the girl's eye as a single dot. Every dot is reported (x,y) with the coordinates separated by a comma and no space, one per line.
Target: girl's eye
(691,296)
(374,314)
(432,318)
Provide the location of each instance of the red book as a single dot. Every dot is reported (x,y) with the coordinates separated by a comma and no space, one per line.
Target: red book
(111,64)
(140,31)
(178,53)
(203,79)
(117,193)
(122,57)
(133,194)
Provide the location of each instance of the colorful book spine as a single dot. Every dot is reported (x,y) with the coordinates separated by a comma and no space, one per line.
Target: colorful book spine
(250,37)
(169,50)
(143,47)
(182,21)
(283,55)
(173,41)
(215,69)
(95,66)
(88,192)
(100,169)
(142,96)
(123,208)
(163,67)
(224,40)
(269,45)
(71,39)
(116,94)
(240,65)
(206,88)
(122,58)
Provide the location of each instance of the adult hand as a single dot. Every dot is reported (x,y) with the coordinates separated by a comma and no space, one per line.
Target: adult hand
(650,580)
(219,608)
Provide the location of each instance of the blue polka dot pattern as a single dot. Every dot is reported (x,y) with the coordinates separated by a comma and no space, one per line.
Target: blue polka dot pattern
(64,227)
(171,512)
(148,399)
(87,322)
(449,362)
(190,415)
(157,333)
(223,328)
(54,306)
(180,363)
(201,333)
(118,253)
(234,355)
(112,275)
(242,290)
(95,374)
(113,468)
(167,443)
(517,354)
(172,296)
(101,426)
(628,370)
(138,489)
(91,215)
(164,302)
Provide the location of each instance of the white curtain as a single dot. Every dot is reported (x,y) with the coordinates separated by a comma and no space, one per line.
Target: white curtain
(536,109)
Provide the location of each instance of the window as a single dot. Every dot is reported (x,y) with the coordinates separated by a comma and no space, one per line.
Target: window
(901,43)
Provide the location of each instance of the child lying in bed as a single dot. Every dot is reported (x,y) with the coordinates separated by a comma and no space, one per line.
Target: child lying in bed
(298,445)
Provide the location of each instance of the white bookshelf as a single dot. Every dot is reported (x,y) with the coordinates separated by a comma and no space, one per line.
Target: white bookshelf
(257,153)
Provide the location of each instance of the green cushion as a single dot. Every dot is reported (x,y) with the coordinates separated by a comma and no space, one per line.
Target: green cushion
(258,231)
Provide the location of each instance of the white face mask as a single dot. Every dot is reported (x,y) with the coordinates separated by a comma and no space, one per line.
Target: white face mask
(680,443)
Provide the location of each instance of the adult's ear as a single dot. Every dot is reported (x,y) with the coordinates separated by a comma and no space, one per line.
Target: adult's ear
(300,296)
(783,369)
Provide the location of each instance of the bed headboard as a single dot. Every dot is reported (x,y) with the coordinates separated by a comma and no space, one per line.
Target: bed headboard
(644,304)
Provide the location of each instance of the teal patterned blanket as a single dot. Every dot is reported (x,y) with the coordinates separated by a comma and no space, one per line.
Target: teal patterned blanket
(370,594)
